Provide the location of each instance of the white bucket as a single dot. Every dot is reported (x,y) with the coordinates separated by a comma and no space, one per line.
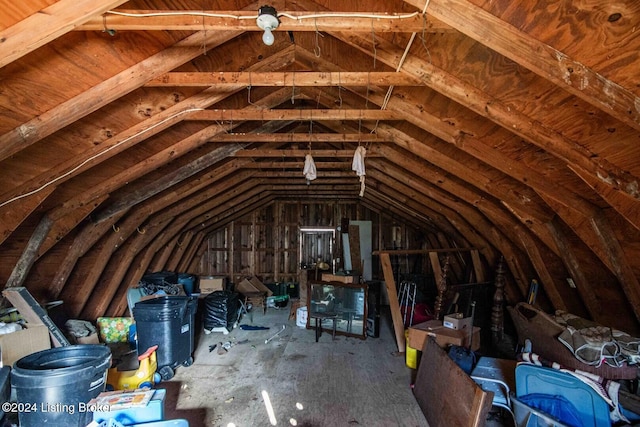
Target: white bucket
(301,317)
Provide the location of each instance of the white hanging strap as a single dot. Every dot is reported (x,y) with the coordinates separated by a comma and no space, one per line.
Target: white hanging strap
(358,166)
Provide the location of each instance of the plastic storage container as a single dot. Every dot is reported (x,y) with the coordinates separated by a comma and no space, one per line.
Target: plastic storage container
(167,322)
(166,423)
(153,412)
(56,385)
(188,282)
(160,278)
(590,407)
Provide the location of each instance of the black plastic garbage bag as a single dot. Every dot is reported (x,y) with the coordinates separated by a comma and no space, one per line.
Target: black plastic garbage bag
(221,310)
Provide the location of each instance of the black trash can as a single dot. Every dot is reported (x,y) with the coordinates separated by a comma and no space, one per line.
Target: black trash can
(53,387)
(167,322)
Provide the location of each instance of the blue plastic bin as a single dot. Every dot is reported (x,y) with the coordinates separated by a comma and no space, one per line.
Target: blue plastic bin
(154,411)
(167,423)
(592,409)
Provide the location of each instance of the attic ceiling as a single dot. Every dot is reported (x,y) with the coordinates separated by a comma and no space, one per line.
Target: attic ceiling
(513,125)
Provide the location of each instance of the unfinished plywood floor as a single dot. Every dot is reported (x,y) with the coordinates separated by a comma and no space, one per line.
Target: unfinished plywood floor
(346,382)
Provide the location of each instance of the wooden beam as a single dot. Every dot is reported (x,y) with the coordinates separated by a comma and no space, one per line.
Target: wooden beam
(30,253)
(118,264)
(547,279)
(215,20)
(283,166)
(108,91)
(131,174)
(84,240)
(155,161)
(298,137)
(478,268)
(12,215)
(572,264)
(271,176)
(290,153)
(539,57)
(529,208)
(618,261)
(486,216)
(48,24)
(283,78)
(134,197)
(294,114)
(498,112)
(394,305)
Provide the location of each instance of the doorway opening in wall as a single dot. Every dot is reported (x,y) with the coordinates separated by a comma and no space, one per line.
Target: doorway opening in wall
(316,248)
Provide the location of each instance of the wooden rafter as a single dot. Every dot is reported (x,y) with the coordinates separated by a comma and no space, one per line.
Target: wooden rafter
(284,78)
(495,110)
(107,91)
(298,137)
(289,153)
(197,20)
(538,57)
(293,114)
(572,264)
(280,165)
(47,25)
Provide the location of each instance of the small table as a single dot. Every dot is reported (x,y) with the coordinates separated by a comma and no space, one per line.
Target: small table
(320,316)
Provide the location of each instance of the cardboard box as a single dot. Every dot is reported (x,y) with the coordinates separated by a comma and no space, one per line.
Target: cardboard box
(22,343)
(253,285)
(456,321)
(259,285)
(444,336)
(89,339)
(31,311)
(328,277)
(208,284)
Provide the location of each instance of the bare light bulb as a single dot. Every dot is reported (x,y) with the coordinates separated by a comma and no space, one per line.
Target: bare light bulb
(267,37)
(268,21)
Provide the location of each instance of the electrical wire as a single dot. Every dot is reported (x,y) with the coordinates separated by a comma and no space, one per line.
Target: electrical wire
(280,15)
(214,15)
(95,156)
(387,97)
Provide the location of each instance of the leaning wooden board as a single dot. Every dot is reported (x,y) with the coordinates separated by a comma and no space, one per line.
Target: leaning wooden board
(33,313)
(447,396)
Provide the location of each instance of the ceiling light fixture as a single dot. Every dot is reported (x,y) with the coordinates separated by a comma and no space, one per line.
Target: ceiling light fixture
(267,21)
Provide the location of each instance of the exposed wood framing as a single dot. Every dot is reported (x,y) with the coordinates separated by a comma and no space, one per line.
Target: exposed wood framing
(284,78)
(47,25)
(197,20)
(24,264)
(294,114)
(298,137)
(107,91)
(538,57)
(493,109)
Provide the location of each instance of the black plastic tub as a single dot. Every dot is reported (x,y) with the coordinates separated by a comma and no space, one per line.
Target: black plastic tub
(53,387)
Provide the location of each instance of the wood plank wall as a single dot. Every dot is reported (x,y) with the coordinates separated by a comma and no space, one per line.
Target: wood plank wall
(265,243)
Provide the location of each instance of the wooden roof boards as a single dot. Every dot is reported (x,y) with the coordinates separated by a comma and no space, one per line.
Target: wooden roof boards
(506,124)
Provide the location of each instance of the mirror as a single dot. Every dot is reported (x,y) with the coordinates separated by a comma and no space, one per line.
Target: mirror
(347,301)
